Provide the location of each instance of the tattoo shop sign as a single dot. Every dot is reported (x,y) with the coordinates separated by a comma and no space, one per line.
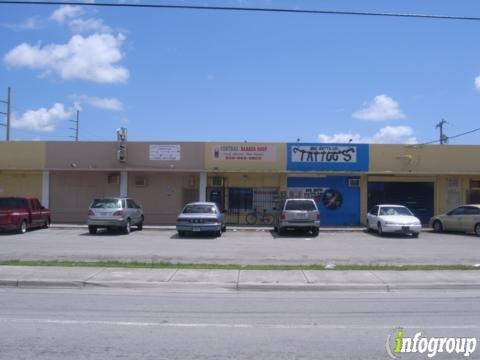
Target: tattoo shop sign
(244,152)
(327,157)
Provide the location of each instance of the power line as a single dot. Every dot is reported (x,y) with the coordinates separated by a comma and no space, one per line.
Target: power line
(246,9)
(452,137)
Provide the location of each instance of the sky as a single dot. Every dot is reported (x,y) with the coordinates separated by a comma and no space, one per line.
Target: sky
(186,75)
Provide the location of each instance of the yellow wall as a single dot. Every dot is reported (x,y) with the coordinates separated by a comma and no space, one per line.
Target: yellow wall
(277,164)
(21,184)
(431,159)
(22,155)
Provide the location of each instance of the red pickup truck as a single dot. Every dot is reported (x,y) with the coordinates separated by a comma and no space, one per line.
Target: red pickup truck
(22,213)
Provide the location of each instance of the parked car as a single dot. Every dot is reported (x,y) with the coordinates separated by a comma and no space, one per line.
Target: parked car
(299,214)
(22,213)
(393,219)
(200,217)
(464,218)
(114,213)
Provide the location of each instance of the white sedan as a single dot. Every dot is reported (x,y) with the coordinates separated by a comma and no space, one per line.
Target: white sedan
(393,219)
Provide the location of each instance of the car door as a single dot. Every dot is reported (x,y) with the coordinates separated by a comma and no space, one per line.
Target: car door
(372,216)
(451,222)
(470,217)
(132,211)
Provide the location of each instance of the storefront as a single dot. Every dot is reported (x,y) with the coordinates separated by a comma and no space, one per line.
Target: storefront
(328,174)
(246,178)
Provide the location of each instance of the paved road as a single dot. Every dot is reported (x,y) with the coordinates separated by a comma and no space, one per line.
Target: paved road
(148,324)
(243,247)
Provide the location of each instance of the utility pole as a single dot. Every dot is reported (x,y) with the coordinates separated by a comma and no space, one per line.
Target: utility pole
(77,122)
(7,125)
(443,137)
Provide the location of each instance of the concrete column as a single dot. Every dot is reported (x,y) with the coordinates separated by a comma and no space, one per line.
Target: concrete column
(202,187)
(45,189)
(123,183)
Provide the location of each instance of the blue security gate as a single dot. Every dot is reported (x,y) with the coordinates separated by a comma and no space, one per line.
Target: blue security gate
(337,197)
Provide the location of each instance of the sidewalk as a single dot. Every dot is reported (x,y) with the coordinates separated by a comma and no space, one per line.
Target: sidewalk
(297,280)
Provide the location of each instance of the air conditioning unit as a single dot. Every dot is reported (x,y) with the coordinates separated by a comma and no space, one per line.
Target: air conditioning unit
(217,181)
(141,181)
(353,182)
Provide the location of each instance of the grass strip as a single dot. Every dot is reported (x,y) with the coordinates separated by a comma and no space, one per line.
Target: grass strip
(208,266)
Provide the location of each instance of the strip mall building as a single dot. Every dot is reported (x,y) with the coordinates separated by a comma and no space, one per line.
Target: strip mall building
(344,179)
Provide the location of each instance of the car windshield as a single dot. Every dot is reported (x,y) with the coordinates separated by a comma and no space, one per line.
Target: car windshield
(394,210)
(199,209)
(12,203)
(300,205)
(106,204)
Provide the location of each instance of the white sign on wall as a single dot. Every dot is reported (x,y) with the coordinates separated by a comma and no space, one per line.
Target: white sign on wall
(246,152)
(164,152)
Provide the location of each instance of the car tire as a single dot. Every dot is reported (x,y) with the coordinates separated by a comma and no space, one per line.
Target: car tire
(380,230)
(181,233)
(437,226)
(315,231)
(23,227)
(140,224)
(92,229)
(280,231)
(218,233)
(128,227)
(224,228)
(477,229)
(46,225)
(415,235)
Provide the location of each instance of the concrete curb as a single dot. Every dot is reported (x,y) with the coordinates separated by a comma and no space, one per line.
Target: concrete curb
(51,284)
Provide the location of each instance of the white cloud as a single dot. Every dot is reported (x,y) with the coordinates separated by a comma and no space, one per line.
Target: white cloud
(381,108)
(395,135)
(101,103)
(91,58)
(477,82)
(66,12)
(32,23)
(88,25)
(386,135)
(340,138)
(41,120)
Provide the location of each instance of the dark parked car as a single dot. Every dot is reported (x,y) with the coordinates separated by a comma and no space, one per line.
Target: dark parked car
(22,213)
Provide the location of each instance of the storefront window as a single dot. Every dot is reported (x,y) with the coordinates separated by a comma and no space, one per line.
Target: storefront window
(240,198)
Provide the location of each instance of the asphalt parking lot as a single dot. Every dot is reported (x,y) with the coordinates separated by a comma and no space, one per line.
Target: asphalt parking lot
(242,247)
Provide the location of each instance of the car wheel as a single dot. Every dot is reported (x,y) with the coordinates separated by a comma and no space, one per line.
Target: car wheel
(380,230)
(477,229)
(23,227)
(128,227)
(140,224)
(437,226)
(92,229)
(224,228)
(280,231)
(218,233)
(46,225)
(181,233)
(315,231)
(415,234)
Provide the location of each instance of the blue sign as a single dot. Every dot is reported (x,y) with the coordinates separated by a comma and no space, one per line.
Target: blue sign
(335,157)
(337,198)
